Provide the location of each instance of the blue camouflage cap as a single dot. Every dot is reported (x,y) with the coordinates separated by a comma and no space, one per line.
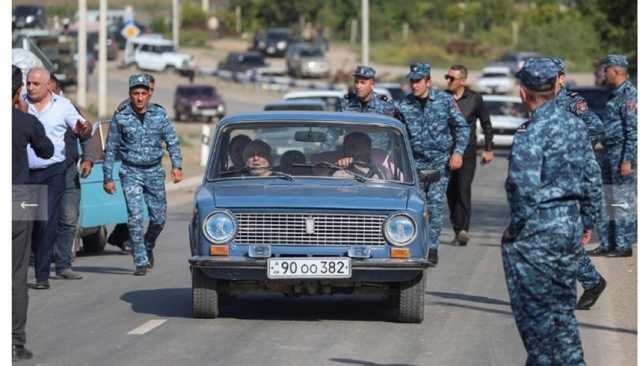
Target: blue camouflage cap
(365,72)
(618,60)
(538,74)
(138,80)
(419,71)
(561,64)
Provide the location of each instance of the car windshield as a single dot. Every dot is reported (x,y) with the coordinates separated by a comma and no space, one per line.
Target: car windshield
(26,10)
(311,53)
(311,150)
(197,92)
(277,35)
(494,75)
(504,108)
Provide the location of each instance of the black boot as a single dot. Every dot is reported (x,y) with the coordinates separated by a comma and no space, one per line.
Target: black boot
(433,256)
(590,296)
(598,252)
(20,353)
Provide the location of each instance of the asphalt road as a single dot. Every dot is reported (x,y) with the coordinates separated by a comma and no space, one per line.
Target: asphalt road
(114,318)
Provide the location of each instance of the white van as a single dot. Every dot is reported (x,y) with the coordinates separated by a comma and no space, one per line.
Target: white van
(154,53)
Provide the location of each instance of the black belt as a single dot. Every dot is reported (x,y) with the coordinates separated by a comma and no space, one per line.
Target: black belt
(141,166)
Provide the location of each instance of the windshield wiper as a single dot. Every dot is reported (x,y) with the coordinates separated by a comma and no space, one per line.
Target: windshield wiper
(325,164)
(245,170)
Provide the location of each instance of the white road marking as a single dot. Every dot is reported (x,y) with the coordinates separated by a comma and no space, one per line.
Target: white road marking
(148,326)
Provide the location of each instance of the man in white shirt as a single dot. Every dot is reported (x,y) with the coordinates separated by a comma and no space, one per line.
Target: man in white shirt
(56,113)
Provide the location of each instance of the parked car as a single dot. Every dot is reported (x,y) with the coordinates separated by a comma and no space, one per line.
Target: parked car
(507,115)
(154,53)
(274,42)
(242,62)
(307,60)
(29,16)
(309,226)
(514,60)
(59,51)
(596,97)
(496,80)
(330,97)
(191,101)
(396,90)
(297,105)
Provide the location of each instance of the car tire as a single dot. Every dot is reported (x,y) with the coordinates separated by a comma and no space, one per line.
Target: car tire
(204,295)
(95,243)
(409,300)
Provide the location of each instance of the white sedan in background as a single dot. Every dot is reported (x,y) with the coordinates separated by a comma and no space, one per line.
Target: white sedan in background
(496,80)
(507,115)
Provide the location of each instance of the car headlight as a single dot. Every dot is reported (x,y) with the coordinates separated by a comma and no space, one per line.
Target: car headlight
(281,45)
(220,227)
(221,108)
(30,18)
(400,229)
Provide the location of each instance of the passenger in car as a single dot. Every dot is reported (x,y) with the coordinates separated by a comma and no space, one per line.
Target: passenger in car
(258,159)
(236,149)
(356,148)
(290,158)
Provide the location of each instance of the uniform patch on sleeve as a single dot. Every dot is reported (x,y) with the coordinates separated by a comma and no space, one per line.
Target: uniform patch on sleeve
(581,107)
(630,105)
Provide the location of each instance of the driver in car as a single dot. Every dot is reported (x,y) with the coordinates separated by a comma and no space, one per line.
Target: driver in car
(258,159)
(356,148)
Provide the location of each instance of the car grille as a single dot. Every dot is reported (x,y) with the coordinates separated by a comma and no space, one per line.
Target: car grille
(309,229)
(504,131)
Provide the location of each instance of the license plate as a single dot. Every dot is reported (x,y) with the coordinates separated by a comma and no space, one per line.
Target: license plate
(271,50)
(208,112)
(278,268)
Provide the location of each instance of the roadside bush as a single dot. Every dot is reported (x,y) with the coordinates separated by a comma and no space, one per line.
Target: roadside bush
(193,38)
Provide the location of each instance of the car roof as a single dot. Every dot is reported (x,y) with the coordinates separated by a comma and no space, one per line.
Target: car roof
(501,98)
(194,86)
(315,94)
(153,39)
(497,69)
(316,116)
(297,102)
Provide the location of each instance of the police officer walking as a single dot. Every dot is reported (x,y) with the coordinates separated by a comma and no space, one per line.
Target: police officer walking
(590,279)
(136,135)
(617,225)
(553,186)
(439,135)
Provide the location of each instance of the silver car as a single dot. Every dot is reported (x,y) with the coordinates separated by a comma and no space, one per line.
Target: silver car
(306,60)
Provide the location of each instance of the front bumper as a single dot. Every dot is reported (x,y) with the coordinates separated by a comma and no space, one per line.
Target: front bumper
(362,270)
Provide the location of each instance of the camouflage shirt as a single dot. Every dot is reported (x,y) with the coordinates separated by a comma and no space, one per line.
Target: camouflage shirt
(552,164)
(572,102)
(436,130)
(140,142)
(621,121)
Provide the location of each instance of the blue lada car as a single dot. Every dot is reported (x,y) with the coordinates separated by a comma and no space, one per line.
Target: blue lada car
(310,203)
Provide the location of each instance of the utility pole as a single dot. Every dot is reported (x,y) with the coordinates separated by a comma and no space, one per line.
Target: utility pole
(102,61)
(82,54)
(238,19)
(205,6)
(176,23)
(365,32)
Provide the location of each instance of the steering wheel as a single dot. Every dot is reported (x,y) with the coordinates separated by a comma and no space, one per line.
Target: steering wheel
(373,170)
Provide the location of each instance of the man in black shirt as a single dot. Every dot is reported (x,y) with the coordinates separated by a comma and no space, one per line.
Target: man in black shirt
(25,130)
(459,188)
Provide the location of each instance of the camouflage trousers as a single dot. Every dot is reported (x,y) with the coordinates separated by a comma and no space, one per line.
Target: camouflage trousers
(144,188)
(541,266)
(588,276)
(436,195)
(617,224)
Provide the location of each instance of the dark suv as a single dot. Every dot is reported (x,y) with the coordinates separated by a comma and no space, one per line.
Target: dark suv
(29,16)
(274,42)
(191,101)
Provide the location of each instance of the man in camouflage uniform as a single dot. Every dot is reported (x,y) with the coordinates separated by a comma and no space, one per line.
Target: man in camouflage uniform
(363,99)
(136,135)
(592,281)
(439,135)
(617,225)
(552,185)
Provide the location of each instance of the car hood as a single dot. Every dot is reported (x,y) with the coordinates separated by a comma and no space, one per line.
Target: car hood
(204,101)
(329,194)
(507,122)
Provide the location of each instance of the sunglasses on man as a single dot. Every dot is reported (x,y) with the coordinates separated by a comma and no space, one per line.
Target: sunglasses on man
(451,78)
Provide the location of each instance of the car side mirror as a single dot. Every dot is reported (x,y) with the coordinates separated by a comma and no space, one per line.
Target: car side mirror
(428,176)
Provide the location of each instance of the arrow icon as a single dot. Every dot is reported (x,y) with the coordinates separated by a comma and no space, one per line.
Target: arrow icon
(25,205)
(621,205)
